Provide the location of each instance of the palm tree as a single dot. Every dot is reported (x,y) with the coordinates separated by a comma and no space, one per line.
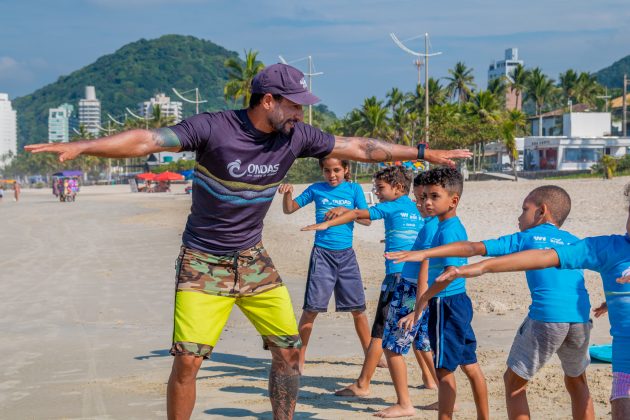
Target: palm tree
(461,82)
(516,82)
(498,88)
(539,89)
(587,89)
(240,77)
(512,124)
(567,82)
(372,120)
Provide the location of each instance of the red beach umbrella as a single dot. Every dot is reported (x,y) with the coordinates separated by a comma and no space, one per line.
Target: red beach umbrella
(169,176)
(147,176)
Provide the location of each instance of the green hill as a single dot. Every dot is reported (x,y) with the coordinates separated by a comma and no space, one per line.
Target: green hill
(131,75)
(612,76)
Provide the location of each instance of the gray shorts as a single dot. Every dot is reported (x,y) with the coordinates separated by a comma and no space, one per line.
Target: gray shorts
(334,271)
(537,341)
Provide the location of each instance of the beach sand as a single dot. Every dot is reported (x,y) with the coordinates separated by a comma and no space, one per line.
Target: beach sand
(87,296)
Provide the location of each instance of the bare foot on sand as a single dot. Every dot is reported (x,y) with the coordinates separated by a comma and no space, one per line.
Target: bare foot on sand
(396,411)
(353,390)
(382,363)
(425,386)
(435,406)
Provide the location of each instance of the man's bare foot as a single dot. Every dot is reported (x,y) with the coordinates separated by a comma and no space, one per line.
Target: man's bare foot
(382,363)
(425,386)
(396,410)
(353,390)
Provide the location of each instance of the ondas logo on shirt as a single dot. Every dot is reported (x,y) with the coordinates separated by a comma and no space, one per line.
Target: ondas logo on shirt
(234,169)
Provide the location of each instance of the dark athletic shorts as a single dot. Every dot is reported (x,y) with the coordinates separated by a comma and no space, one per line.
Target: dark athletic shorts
(384,299)
(331,270)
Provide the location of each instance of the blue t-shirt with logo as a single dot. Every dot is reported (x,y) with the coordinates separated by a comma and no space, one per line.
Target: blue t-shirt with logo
(402,224)
(610,257)
(346,194)
(411,269)
(449,230)
(557,295)
(237,173)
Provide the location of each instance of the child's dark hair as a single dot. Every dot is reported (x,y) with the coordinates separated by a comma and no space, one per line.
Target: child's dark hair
(396,176)
(345,164)
(555,198)
(420,179)
(448,178)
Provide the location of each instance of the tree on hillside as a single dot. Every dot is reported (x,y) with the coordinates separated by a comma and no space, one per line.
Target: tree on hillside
(240,77)
(539,89)
(460,82)
(516,82)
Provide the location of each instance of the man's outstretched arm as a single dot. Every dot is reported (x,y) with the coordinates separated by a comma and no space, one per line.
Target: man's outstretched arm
(130,143)
(364,149)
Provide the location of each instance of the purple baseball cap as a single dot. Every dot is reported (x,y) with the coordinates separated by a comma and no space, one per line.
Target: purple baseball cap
(282,79)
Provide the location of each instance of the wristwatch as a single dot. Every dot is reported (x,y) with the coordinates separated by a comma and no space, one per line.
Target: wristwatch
(422,146)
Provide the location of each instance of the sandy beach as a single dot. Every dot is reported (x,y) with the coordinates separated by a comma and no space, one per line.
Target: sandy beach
(87,296)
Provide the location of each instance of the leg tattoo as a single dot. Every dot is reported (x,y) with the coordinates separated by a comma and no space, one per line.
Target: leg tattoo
(283,390)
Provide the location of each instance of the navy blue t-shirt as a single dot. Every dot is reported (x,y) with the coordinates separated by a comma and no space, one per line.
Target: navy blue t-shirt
(237,174)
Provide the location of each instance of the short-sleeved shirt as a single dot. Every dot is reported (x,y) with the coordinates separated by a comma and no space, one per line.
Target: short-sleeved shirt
(402,224)
(610,257)
(449,230)
(557,295)
(237,173)
(346,194)
(411,269)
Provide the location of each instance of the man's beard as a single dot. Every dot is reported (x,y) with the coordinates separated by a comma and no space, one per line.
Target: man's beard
(284,127)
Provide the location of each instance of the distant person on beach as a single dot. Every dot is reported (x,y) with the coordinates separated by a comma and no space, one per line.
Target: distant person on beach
(402,224)
(1,192)
(17,190)
(607,255)
(242,157)
(558,321)
(450,312)
(333,265)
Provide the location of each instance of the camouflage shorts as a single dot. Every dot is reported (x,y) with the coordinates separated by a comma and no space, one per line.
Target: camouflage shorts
(243,273)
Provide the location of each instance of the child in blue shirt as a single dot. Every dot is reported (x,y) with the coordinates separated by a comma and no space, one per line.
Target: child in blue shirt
(558,321)
(607,255)
(450,312)
(333,264)
(402,224)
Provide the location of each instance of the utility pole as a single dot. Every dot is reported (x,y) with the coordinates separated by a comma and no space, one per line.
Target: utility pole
(623,116)
(418,63)
(310,75)
(426,56)
(605,97)
(197,101)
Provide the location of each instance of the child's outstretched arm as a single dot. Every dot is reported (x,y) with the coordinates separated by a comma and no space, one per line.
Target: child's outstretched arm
(347,217)
(289,205)
(536,259)
(454,249)
(624,279)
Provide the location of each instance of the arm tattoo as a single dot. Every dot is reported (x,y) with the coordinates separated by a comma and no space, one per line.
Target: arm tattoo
(164,137)
(377,150)
(283,390)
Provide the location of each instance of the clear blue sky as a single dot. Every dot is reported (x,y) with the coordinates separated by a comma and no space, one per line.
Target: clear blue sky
(42,40)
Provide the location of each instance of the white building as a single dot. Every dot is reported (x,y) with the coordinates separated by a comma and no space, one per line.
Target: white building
(571,153)
(574,124)
(90,111)
(61,121)
(497,158)
(168,108)
(503,69)
(8,126)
